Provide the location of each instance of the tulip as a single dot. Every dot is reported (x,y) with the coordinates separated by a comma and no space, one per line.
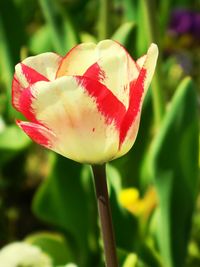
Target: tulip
(86,105)
(24,254)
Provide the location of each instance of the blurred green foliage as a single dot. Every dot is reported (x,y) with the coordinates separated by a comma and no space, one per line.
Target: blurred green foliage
(49,200)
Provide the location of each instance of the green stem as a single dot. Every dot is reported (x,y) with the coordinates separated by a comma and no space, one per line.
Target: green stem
(157,88)
(105,215)
(103,20)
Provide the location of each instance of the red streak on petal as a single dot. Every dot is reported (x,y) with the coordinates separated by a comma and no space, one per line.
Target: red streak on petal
(36,132)
(136,92)
(95,72)
(16,92)
(32,76)
(22,97)
(107,103)
(25,102)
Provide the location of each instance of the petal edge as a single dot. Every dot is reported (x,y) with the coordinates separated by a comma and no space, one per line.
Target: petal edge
(38,133)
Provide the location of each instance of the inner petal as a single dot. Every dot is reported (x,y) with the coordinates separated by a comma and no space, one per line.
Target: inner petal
(82,56)
(77,60)
(46,64)
(71,108)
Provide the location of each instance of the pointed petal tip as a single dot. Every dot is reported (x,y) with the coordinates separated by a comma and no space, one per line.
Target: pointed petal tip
(151,60)
(21,123)
(38,133)
(17,121)
(153,50)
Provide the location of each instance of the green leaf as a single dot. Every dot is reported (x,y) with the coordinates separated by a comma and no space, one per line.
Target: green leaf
(164,9)
(62,200)
(10,45)
(149,255)
(62,32)
(124,35)
(55,245)
(130,10)
(68,265)
(174,166)
(125,224)
(39,41)
(103,21)
(12,141)
(87,37)
(130,164)
(129,259)
(13,138)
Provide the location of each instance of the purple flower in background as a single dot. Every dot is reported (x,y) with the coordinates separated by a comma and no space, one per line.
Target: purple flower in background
(185,22)
(181,21)
(196,25)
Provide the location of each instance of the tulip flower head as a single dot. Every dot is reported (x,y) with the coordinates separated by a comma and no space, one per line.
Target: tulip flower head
(24,254)
(86,105)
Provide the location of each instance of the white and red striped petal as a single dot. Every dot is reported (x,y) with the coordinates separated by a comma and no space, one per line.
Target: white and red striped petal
(16,92)
(140,61)
(26,77)
(78,60)
(31,70)
(84,115)
(149,65)
(130,124)
(83,56)
(107,62)
(39,134)
(24,104)
(113,71)
(44,65)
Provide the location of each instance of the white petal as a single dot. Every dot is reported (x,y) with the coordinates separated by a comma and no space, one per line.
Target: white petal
(117,67)
(83,134)
(45,64)
(130,138)
(78,60)
(23,254)
(140,61)
(148,65)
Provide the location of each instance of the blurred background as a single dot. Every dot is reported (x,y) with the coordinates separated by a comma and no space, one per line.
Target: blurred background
(47,200)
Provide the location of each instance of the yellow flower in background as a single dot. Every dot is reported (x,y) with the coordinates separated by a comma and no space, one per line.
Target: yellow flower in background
(130,199)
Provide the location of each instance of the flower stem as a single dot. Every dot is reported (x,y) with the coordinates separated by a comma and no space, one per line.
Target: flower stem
(100,183)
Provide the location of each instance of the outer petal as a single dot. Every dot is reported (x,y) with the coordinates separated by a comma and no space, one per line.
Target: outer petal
(84,115)
(26,76)
(44,65)
(107,62)
(16,92)
(130,124)
(33,69)
(78,60)
(149,65)
(115,69)
(140,61)
(39,134)
(113,60)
